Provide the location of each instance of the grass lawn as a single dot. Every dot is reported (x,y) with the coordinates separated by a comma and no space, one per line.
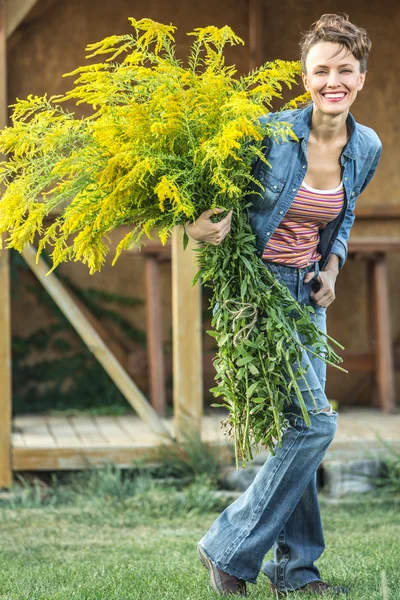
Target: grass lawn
(102,549)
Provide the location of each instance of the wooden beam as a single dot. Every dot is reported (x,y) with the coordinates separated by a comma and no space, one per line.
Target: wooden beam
(120,354)
(378,212)
(155,354)
(256,34)
(16,13)
(371,245)
(186,333)
(5,317)
(384,352)
(94,342)
(360,362)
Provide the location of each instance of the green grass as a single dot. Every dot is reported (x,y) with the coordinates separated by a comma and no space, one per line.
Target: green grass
(131,540)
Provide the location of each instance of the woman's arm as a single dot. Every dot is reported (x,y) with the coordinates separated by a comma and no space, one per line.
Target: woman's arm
(340,244)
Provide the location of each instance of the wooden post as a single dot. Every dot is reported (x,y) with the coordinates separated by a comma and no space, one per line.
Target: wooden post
(155,354)
(187,348)
(256,34)
(384,353)
(5,317)
(372,326)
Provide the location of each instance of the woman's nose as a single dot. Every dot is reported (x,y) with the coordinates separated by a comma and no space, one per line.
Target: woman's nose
(333,78)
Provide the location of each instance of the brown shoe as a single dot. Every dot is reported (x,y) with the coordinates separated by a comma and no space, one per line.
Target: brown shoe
(219,580)
(317,588)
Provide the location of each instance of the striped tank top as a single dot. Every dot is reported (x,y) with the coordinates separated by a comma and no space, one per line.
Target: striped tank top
(295,240)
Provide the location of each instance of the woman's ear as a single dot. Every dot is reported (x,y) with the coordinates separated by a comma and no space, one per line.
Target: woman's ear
(305,81)
(362,80)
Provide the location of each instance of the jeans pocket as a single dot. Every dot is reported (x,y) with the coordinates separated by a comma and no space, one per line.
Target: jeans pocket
(295,420)
(324,412)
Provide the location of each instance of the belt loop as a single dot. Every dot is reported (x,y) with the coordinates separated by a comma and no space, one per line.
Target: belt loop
(316,268)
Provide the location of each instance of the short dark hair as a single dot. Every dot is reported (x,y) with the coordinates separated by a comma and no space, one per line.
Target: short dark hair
(337,28)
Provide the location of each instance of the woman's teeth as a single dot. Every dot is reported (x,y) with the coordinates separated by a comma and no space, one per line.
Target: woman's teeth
(334,97)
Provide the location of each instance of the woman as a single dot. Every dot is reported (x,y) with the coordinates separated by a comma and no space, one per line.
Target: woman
(302,224)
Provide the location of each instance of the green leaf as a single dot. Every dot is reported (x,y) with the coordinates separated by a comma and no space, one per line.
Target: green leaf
(252,388)
(218,390)
(243,288)
(253,369)
(244,361)
(212,333)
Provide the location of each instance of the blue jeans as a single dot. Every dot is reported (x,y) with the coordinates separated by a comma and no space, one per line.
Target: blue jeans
(280,509)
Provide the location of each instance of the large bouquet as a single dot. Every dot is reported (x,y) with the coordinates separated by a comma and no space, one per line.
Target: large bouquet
(165,142)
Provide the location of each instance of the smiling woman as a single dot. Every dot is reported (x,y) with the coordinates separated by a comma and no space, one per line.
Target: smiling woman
(302,223)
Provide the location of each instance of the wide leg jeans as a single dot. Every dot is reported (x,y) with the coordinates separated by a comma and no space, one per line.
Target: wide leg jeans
(280,509)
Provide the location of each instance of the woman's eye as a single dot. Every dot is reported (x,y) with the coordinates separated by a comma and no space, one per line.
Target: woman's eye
(342,71)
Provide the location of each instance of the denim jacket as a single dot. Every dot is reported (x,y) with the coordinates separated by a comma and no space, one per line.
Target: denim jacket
(288,159)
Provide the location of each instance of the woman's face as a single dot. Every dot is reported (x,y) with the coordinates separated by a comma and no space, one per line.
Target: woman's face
(333,81)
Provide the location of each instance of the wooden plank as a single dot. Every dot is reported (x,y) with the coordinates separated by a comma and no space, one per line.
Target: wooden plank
(112,432)
(35,432)
(138,432)
(373,244)
(94,342)
(186,331)
(17,11)
(87,432)
(256,34)
(48,459)
(357,361)
(384,354)
(75,459)
(5,317)
(62,431)
(381,212)
(17,440)
(155,354)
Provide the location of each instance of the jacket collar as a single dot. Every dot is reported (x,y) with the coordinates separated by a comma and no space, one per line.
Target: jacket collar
(302,128)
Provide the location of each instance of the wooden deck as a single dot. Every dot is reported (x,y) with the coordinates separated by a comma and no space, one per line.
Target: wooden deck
(42,442)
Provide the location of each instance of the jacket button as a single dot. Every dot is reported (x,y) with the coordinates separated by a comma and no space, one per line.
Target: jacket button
(304,166)
(281,212)
(345,178)
(294,189)
(352,193)
(275,186)
(268,232)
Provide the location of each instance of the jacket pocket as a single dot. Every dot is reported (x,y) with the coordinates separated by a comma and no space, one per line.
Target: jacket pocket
(273,187)
(266,198)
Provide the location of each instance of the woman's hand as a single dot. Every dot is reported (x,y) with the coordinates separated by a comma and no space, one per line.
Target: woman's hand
(204,230)
(326,294)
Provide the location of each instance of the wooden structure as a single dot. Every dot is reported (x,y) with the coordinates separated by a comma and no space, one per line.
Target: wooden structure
(40,443)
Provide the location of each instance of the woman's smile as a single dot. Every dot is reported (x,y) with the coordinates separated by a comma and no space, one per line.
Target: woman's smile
(333,96)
